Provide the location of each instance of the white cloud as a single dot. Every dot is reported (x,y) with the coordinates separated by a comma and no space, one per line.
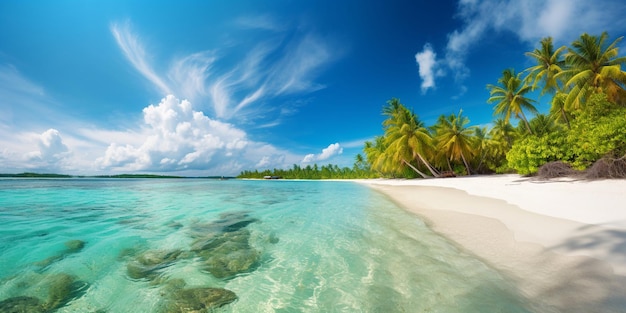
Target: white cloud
(52,151)
(273,67)
(178,138)
(181,140)
(529,21)
(332,150)
(427,63)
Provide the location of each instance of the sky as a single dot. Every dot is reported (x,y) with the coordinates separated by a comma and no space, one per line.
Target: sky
(203,88)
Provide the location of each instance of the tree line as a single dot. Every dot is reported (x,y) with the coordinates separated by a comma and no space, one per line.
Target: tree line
(330,171)
(586,122)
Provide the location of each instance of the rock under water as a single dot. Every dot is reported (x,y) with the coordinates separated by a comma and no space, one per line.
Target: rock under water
(147,264)
(228,254)
(199,300)
(22,304)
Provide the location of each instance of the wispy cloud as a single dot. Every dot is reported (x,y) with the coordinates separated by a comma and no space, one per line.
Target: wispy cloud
(264,22)
(529,21)
(134,51)
(271,69)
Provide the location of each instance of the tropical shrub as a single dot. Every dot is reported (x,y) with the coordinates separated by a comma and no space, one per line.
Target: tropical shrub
(597,131)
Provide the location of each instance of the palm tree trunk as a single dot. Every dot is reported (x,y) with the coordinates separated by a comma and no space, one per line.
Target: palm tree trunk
(415,169)
(565,118)
(466,165)
(526,122)
(430,168)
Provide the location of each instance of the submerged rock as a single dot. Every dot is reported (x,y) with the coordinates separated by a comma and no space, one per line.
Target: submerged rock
(273,238)
(22,304)
(50,260)
(228,222)
(61,289)
(228,254)
(147,264)
(213,241)
(199,300)
(226,266)
(74,246)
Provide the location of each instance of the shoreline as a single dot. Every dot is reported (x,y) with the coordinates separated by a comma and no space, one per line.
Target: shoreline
(562,242)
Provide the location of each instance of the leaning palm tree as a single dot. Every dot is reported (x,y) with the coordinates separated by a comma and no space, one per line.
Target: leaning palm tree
(549,63)
(454,138)
(594,67)
(510,98)
(406,137)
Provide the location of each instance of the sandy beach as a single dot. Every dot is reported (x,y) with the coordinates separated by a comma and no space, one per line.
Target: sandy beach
(563,242)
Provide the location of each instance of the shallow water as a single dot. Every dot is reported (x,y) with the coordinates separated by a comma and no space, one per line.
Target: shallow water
(310,246)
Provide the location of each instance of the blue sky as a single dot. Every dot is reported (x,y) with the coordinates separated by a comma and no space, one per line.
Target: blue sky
(216,87)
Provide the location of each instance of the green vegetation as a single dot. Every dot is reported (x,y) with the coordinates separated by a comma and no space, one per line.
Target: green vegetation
(137,176)
(586,120)
(315,172)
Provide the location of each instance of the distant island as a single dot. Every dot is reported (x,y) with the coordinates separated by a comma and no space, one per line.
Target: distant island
(52,175)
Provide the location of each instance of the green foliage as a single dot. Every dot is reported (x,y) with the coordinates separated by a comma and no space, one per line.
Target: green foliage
(528,154)
(597,131)
(329,171)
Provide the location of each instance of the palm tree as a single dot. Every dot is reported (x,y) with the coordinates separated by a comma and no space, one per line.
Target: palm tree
(543,124)
(454,138)
(549,63)
(503,132)
(406,137)
(376,156)
(503,135)
(509,95)
(481,145)
(557,109)
(594,67)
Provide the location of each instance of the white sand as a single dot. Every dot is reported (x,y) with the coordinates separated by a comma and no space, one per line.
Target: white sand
(563,242)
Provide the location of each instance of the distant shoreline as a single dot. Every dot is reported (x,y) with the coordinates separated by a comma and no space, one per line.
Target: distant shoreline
(43,175)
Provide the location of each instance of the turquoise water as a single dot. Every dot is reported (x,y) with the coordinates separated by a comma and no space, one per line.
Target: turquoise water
(135,245)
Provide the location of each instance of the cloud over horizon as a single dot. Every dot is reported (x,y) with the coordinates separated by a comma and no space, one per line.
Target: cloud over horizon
(52,152)
(180,139)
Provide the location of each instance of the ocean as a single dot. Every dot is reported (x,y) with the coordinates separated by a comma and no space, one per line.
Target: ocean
(199,245)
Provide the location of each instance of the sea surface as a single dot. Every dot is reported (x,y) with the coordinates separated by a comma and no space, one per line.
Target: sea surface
(195,245)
